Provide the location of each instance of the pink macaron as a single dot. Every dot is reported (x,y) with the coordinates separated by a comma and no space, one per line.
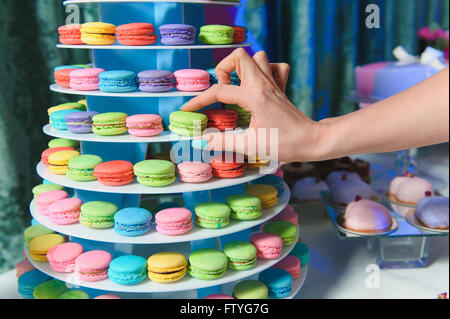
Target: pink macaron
(108,296)
(218,296)
(291,264)
(65,211)
(62,257)
(191,80)
(174,221)
(44,200)
(93,265)
(194,172)
(144,125)
(85,79)
(268,246)
(23,267)
(288,214)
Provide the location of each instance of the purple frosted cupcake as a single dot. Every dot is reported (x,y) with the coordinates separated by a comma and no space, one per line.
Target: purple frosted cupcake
(81,122)
(177,34)
(155,81)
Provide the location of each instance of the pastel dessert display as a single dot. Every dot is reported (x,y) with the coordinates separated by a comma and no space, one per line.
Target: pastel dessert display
(177,34)
(109,124)
(45,154)
(93,265)
(154,81)
(155,173)
(336,176)
(174,221)
(50,289)
(291,264)
(227,166)
(216,34)
(85,79)
(35,231)
(74,294)
(29,281)
(218,296)
(128,270)
(70,34)
(433,212)
(44,200)
(268,246)
(62,257)
(80,122)
(278,281)
(81,167)
(144,125)
(366,216)
(62,77)
(207,264)
(65,211)
(302,252)
(58,163)
(22,267)
(346,190)
(240,34)
(98,33)
(39,246)
(167,267)
(409,189)
(221,119)
(188,123)
(244,116)
(136,34)
(309,189)
(114,173)
(250,289)
(132,221)
(194,172)
(98,214)
(286,231)
(266,193)
(58,118)
(244,207)
(62,142)
(288,214)
(212,215)
(241,255)
(191,80)
(117,81)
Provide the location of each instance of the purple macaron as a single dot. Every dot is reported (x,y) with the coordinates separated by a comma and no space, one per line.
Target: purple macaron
(81,122)
(155,81)
(177,34)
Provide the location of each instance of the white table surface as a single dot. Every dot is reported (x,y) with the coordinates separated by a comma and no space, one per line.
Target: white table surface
(338,267)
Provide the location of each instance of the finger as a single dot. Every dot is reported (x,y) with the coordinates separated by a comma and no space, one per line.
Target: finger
(280,73)
(226,142)
(262,61)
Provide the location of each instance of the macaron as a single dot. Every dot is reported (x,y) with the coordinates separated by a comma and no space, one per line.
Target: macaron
(58,118)
(62,257)
(191,80)
(44,200)
(288,214)
(244,207)
(302,253)
(81,167)
(279,282)
(287,231)
(84,101)
(144,125)
(154,81)
(62,142)
(234,78)
(212,215)
(62,76)
(155,173)
(221,119)
(256,162)
(244,116)
(74,294)
(227,166)
(216,34)
(167,267)
(114,173)
(188,123)
(207,264)
(109,124)
(98,33)
(177,34)
(66,106)
(268,246)
(35,231)
(50,289)
(250,289)
(65,211)
(23,266)
(174,221)
(194,172)
(49,151)
(93,265)
(70,34)
(128,270)
(291,264)
(117,81)
(218,296)
(29,281)
(132,221)
(85,79)
(58,162)
(266,193)
(136,34)
(240,34)
(40,245)
(98,214)
(80,122)
(241,255)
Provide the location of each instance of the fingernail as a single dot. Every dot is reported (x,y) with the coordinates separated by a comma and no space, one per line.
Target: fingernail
(199,144)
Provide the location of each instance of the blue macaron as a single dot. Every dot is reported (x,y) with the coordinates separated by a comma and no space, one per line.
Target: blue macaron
(271,180)
(128,270)
(132,221)
(29,280)
(117,81)
(58,119)
(279,282)
(302,252)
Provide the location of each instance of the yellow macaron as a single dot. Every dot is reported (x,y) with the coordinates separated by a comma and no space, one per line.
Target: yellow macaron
(255,162)
(84,102)
(98,33)
(58,162)
(40,245)
(266,193)
(167,267)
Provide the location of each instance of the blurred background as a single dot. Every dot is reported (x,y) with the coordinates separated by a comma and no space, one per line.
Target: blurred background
(322,40)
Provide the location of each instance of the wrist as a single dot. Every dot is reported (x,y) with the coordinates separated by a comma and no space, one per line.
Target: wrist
(323,141)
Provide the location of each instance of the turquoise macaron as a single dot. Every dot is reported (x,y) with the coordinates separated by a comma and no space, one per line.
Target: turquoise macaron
(119,81)
(302,252)
(279,282)
(30,280)
(132,221)
(128,270)
(58,119)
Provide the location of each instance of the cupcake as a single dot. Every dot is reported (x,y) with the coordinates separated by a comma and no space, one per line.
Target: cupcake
(366,216)
(308,189)
(433,211)
(345,190)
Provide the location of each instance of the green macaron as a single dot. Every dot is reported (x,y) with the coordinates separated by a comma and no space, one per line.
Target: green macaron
(216,34)
(188,123)
(51,289)
(74,294)
(98,214)
(155,173)
(207,264)
(43,188)
(241,255)
(109,124)
(81,167)
(244,117)
(244,207)
(212,215)
(62,142)
(287,231)
(250,289)
(35,231)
